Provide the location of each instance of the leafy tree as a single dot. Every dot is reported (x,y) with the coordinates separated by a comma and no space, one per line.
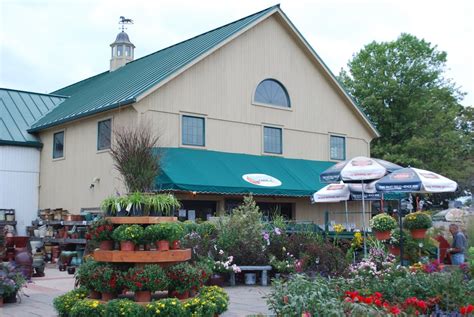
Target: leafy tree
(401,87)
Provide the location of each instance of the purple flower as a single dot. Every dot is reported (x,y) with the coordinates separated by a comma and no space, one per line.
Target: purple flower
(277,231)
(266,236)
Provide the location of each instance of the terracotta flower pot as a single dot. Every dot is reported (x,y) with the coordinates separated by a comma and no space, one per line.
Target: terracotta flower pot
(178,295)
(94,294)
(106,245)
(217,280)
(163,245)
(382,235)
(176,245)
(108,296)
(395,250)
(127,246)
(143,296)
(418,233)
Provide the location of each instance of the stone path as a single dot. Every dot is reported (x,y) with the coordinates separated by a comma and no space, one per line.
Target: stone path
(37,299)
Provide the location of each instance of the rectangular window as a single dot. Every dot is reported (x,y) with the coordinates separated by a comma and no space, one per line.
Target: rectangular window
(272,140)
(192,129)
(58,145)
(338,148)
(104,133)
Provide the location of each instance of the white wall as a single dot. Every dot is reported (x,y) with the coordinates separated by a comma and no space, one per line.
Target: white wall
(19,180)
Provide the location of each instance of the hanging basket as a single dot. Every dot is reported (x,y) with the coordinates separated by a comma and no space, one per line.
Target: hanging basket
(395,250)
(418,233)
(382,235)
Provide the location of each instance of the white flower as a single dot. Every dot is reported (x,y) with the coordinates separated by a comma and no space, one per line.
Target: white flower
(221,252)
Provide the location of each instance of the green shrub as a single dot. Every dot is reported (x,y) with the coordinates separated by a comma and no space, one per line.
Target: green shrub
(85,272)
(123,307)
(63,304)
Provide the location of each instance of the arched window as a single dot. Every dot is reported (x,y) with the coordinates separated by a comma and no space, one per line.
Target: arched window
(271,92)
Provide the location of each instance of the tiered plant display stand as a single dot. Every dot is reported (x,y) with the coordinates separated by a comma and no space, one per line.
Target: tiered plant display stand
(141,258)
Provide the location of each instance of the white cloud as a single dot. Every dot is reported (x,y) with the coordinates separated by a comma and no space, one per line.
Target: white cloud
(47,44)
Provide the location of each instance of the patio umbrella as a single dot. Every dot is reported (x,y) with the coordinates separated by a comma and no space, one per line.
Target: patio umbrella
(334,193)
(414,180)
(361,170)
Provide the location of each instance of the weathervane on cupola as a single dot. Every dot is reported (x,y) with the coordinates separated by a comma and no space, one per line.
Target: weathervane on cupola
(122,48)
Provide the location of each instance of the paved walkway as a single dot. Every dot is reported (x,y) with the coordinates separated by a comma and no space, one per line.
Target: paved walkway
(37,299)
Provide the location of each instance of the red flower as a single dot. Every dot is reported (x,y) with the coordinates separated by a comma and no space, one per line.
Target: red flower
(377,295)
(285,299)
(367,300)
(464,310)
(395,310)
(378,302)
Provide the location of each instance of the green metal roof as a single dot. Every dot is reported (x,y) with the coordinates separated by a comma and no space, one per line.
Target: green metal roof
(110,90)
(19,110)
(214,172)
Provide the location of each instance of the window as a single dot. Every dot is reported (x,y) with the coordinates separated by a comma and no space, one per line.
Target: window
(338,148)
(193,131)
(272,140)
(119,50)
(271,92)
(58,145)
(104,133)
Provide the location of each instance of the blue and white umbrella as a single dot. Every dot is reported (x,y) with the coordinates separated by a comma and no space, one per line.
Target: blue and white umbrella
(414,180)
(361,170)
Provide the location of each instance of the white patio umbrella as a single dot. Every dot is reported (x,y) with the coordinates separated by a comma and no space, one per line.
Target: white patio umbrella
(334,193)
(361,170)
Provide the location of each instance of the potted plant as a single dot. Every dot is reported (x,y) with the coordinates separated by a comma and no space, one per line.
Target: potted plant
(418,223)
(161,235)
(84,277)
(396,240)
(382,224)
(136,203)
(110,206)
(285,266)
(63,304)
(123,307)
(176,233)
(216,295)
(11,281)
(161,204)
(87,308)
(107,281)
(168,307)
(143,281)
(128,236)
(201,307)
(101,232)
(182,278)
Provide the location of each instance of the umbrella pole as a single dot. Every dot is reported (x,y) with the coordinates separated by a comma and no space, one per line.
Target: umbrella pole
(363,220)
(347,215)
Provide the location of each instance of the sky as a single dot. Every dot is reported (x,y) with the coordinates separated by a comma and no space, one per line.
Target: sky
(49,44)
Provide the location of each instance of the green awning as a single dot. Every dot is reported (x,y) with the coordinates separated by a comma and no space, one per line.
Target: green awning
(214,172)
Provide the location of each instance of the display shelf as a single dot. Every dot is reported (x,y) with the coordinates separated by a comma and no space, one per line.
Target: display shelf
(4,223)
(143,256)
(144,220)
(60,241)
(61,223)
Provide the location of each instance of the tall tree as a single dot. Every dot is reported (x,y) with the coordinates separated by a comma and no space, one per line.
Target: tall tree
(402,88)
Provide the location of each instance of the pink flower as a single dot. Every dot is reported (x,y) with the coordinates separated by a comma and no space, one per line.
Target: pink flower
(277,231)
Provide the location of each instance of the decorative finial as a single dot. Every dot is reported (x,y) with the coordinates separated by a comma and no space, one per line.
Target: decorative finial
(124,21)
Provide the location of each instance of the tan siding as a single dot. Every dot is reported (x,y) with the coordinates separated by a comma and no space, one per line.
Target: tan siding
(65,183)
(222,85)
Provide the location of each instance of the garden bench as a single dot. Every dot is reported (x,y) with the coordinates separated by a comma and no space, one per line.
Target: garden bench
(263,268)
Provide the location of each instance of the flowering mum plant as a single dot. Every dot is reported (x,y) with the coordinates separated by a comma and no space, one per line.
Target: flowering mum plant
(87,308)
(383,222)
(200,307)
(106,279)
(183,277)
(134,233)
(417,220)
(123,307)
(85,272)
(286,265)
(377,264)
(217,295)
(101,230)
(63,304)
(11,280)
(149,278)
(169,307)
